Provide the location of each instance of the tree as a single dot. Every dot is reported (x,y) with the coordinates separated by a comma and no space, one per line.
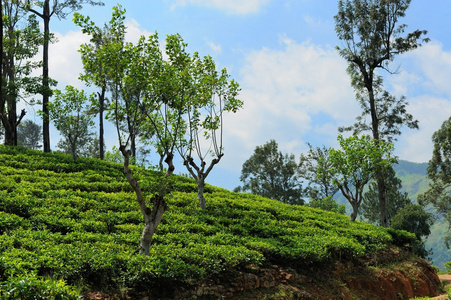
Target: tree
(327,204)
(29,135)
(217,95)
(396,200)
(439,171)
(372,38)
(21,38)
(94,73)
(271,174)
(61,9)
(355,164)
(319,186)
(152,91)
(415,219)
(68,111)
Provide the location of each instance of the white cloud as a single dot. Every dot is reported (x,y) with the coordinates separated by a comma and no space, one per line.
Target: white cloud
(285,92)
(424,81)
(216,48)
(238,7)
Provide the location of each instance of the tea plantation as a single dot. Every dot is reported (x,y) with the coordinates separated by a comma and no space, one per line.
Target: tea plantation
(67,227)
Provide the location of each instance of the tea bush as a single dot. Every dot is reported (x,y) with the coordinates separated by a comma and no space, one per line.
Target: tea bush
(79,222)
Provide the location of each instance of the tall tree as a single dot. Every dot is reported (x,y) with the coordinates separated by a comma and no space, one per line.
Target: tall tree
(20,42)
(29,134)
(45,10)
(396,200)
(355,164)
(271,174)
(371,39)
(439,171)
(319,186)
(213,95)
(94,73)
(68,111)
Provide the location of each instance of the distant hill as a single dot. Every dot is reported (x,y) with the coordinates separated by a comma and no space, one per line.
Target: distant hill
(413,176)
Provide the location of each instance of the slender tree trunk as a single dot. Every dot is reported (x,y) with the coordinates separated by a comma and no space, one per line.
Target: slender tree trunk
(45,79)
(101,129)
(379,176)
(2,108)
(200,191)
(152,217)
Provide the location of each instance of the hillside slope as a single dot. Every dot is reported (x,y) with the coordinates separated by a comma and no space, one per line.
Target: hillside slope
(74,227)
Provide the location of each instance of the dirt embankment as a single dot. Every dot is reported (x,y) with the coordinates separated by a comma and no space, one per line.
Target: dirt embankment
(393,274)
(446,279)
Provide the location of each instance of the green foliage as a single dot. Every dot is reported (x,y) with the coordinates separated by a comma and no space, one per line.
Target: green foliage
(396,200)
(31,287)
(439,171)
(320,185)
(69,113)
(271,174)
(415,219)
(29,135)
(355,164)
(327,204)
(79,222)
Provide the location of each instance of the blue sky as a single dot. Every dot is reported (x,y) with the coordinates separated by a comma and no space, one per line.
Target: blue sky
(282,52)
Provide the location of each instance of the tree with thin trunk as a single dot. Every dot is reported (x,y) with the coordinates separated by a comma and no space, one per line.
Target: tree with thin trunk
(214,94)
(68,112)
(319,186)
(29,134)
(439,172)
(19,45)
(153,90)
(372,38)
(94,73)
(45,10)
(355,164)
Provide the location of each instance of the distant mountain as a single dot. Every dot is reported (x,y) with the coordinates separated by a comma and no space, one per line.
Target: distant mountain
(413,176)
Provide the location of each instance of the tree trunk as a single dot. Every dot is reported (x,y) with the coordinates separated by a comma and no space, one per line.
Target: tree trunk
(101,129)
(45,79)
(152,217)
(379,176)
(355,210)
(200,191)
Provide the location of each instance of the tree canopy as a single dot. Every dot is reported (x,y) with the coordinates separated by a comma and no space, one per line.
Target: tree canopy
(271,174)
(355,164)
(439,171)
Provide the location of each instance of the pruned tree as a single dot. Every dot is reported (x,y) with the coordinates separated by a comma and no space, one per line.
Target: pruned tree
(319,186)
(213,95)
(29,134)
(372,37)
(152,91)
(45,10)
(355,164)
(271,174)
(68,112)
(439,171)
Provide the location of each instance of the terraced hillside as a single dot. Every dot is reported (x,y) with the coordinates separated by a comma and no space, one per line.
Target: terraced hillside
(73,228)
